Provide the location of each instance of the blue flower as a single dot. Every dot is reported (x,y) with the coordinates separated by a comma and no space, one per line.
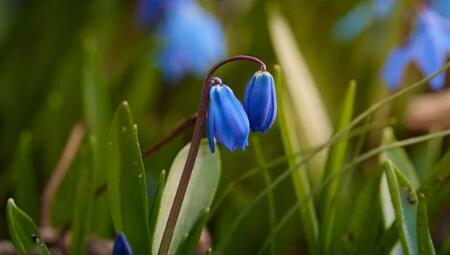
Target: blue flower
(442,7)
(260,101)
(192,41)
(227,120)
(427,47)
(361,17)
(121,246)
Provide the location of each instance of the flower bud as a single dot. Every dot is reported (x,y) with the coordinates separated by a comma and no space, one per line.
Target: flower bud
(227,120)
(121,246)
(260,101)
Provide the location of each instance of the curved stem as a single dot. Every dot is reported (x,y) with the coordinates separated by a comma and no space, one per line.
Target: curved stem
(182,125)
(193,150)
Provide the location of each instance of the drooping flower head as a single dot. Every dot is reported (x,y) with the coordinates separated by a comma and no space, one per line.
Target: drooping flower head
(227,120)
(260,101)
(427,47)
(361,17)
(121,246)
(192,41)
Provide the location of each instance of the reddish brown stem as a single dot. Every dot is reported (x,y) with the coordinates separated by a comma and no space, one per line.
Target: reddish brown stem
(182,125)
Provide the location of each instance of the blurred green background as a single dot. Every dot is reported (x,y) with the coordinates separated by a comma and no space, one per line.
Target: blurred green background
(64,62)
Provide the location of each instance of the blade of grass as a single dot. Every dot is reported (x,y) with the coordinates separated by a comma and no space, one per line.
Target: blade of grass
(374,107)
(405,203)
(307,110)
(346,168)
(336,158)
(291,144)
(84,199)
(425,242)
(25,178)
(260,160)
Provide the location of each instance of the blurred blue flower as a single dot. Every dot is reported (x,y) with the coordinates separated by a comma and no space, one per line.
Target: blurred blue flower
(442,7)
(260,101)
(428,47)
(121,246)
(192,41)
(360,17)
(227,120)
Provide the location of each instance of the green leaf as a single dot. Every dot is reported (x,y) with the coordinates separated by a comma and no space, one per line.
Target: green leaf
(363,223)
(155,202)
(299,176)
(399,157)
(190,243)
(308,110)
(127,187)
(97,116)
(405,203)
(335,161)
(199,195)
(423,232)
(24,232)
(445,248)
(424,155)
(84,198)
(25,179)
(435,184)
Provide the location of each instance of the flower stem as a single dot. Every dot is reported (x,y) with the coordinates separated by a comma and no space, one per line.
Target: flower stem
(193,150)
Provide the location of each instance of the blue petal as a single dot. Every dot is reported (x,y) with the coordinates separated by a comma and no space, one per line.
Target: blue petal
(354,22)
(121,246)
(273,109)
(429,57)
(394,67)
(210,124)
(260,102)
(231,125)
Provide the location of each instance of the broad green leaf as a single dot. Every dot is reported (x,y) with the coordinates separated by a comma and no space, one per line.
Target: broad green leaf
(190,242)
(25,180)
(405,202)
(84,198)
(335,161)
(423,232)
(299,176)
(127,187)
(199,195)
(308,111)
(24,232)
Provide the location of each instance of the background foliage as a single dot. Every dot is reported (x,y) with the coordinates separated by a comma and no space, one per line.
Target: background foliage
(64,62)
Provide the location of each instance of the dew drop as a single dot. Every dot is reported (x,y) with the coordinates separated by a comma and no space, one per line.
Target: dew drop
(124,129)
